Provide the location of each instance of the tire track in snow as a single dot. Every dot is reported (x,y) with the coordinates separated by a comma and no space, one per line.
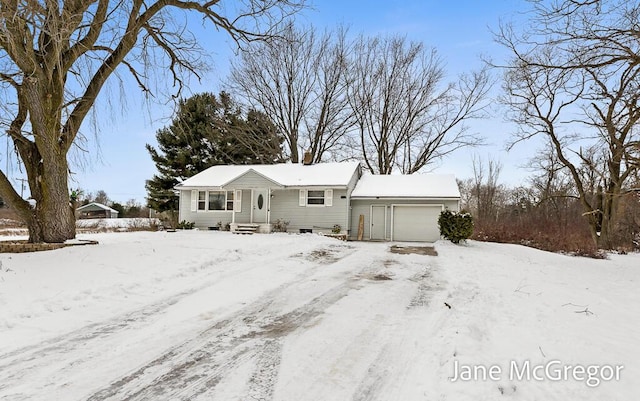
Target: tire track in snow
(197,365)
(372,386)
(16,364)
(115,324)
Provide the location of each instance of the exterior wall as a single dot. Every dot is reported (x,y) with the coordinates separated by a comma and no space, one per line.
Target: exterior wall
(285,206)
(354,180)
(97,213)
(363,206)
(206,218)
(350,187)
(250,180)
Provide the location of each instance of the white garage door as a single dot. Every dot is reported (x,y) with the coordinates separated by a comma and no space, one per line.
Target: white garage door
(416,223)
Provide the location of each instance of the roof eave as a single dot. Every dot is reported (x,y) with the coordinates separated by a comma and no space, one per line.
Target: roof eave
(405,197)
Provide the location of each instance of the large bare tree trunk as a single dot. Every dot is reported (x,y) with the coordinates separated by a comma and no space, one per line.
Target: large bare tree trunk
(55,58)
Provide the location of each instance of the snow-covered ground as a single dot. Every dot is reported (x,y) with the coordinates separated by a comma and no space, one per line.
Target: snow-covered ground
(123,224)
(205,315)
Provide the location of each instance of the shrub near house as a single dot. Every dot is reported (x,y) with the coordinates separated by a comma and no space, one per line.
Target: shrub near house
(454,226)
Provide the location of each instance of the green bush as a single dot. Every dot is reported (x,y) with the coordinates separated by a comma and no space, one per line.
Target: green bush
(455,227)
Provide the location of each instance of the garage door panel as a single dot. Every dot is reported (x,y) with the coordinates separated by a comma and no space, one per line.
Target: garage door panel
(416,223)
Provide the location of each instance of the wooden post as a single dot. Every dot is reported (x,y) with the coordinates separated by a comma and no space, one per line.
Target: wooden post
(361,227)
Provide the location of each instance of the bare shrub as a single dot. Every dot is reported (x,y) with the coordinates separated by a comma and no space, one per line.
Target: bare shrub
(569,235)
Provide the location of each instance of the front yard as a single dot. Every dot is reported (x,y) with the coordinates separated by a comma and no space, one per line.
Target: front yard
(202,315)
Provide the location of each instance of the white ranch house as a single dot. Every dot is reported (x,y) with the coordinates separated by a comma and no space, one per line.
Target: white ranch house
(316,197)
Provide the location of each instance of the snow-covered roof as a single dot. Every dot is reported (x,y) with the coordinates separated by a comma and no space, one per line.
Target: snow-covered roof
(407,186)
(286,175)
(94,205)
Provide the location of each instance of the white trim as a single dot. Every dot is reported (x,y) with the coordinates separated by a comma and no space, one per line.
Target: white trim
(384,235)
(251,170)
(406,198)
(393,206)
(269,205)
(302,198)
(194,200)
(251,208)
(237,201)
(328,197)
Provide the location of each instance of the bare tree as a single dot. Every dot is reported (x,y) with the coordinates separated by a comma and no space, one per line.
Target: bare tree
(299,81)
(406,115)
(55,58)
(573,78)
(102,197)
(486,190)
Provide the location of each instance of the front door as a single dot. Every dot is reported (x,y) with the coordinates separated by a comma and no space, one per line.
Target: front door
(260,205)
(378,220)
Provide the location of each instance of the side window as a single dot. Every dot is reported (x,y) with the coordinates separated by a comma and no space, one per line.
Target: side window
(202,200)
(315,198)
(229,200)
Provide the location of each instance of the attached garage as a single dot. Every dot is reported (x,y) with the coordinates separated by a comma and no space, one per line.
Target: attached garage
(401,207)
(415,222)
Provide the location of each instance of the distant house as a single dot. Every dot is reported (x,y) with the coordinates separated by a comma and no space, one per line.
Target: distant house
(96,210)
(317,197)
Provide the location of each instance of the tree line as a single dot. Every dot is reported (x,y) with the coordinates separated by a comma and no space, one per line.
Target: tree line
(544,211)
(383,100)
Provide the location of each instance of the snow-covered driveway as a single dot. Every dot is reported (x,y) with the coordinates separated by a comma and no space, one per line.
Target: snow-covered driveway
(193,315)
(212,316)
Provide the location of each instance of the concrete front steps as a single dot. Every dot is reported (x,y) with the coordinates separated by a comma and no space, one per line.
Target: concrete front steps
(250,228)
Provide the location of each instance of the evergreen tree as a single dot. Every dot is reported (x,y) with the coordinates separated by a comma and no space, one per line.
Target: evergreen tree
(206,131)
(454,226)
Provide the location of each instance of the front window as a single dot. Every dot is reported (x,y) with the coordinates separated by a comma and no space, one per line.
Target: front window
(217,201)
(315,198)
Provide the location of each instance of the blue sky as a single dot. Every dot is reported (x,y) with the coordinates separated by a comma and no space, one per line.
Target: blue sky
(118,163)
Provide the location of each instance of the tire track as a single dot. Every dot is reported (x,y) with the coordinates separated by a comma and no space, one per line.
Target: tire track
(197,365)
(67,350)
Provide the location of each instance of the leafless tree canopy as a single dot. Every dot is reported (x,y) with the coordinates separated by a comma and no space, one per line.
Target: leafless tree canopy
(573,78)
(299,81)
(383,100)
(406,115)
(55,57)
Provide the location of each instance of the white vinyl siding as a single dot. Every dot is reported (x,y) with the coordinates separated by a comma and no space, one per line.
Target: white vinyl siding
(205,219)
(291,205)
